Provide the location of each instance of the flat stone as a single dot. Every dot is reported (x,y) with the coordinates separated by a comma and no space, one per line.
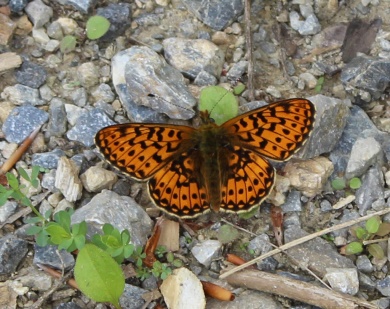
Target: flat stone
(183,288)
(148,87)
(316,254)
(120,211)
(344,280)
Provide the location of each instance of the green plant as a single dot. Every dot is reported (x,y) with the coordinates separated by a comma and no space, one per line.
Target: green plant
(59,232)
(161,252)
(15,189)
(97,26)
(366,236)
(68,44)
(340,183)
(239,88)
(320,83)
(220,103)
(98,275)
(161,270)
(97,269)
(116,243)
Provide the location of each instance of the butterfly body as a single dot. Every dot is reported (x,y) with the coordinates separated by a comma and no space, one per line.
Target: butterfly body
(190,171)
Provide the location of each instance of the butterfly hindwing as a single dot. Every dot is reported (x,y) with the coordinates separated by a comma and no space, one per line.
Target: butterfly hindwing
(249,180)
(176,188)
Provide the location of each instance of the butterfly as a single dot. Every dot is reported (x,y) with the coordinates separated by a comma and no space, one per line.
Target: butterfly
(193,170)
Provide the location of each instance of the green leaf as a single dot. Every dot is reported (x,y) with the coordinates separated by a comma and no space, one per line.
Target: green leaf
(68,44)
(4,197)
(98,275)
(33,230)
(249,214)
(3,189)
(361,233)
(177,263)
(237,90)
(107,228)
(355,183)
(22,172)
(376,251)
(128,250)
(354,247)
(57,233)
(42,239)
(12,181)
(35,172)
(220,103)
(372,224)
(384,229)
(63,219)
(320,83)
(227,234)
(170,257)
(33,220)
(25,201)
(79,241)
(67,244)
(125,235)
(111,241)
(97,26)
(338,184)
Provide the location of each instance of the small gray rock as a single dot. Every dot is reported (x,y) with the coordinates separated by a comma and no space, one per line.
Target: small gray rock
(39,13)
(206,251)
(31,74)
(12,252)
(87,126)
(22,121)
(365,153)
(20,95)
(120,211)
(193,56)
(57,122)
(50,256)
(217,14)
(47,159)
(148,87)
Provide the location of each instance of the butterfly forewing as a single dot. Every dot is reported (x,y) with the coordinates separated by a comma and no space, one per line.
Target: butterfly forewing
(140,150)
(249,180)
(276,131)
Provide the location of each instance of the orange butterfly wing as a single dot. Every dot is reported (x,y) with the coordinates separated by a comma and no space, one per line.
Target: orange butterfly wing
(249,180)
(140,150)
(168,156)
(177,187)
(276,131)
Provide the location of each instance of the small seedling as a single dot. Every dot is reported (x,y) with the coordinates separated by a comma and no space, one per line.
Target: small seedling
(320,84)
(97,26)
(114,242)
(220,103)
(367,238)
(340,183)
(68,44)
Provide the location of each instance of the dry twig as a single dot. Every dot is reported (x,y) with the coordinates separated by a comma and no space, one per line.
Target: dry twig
(302,240)
(295,289)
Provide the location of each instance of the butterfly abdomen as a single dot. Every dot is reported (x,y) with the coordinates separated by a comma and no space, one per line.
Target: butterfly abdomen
(214,163)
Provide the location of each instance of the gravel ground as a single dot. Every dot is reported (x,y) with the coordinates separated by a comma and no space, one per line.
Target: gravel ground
(150,67)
